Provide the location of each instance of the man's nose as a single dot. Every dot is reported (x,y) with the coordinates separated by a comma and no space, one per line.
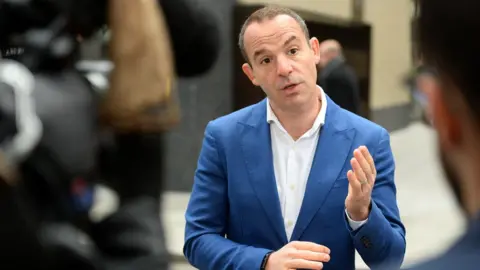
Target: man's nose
(284,66)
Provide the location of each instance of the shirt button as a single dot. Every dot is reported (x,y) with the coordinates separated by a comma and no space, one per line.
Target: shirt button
(292,187)
(289,223)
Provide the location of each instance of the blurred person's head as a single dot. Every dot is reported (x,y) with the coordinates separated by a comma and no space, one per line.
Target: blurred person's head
(281,57)
(425,80)
(419,79)
(329,49)
(448,43)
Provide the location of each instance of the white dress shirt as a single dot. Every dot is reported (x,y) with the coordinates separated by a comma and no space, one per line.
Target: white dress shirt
(292,161)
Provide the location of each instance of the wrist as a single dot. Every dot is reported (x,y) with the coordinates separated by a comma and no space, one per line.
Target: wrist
(266,261)
(360,214)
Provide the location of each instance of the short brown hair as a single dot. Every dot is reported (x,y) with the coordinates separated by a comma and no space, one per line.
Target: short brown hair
(269,12)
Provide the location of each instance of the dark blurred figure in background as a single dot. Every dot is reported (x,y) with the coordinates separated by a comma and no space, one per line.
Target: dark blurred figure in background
(448,42)
(337,79)
(421,77)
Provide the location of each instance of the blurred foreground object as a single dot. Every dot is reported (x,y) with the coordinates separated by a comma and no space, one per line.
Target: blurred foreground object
(81,136)
(195,35)
(453,99)
(141,95)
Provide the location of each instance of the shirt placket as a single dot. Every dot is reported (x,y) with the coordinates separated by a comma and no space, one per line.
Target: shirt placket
(290,190)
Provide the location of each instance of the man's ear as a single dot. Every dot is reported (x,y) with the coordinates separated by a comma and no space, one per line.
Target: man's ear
(247,69)
(445,120)
(315,46)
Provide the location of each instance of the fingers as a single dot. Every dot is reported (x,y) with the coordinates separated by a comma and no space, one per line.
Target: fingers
(354,183)
(307,255)
(369,158)
(301,245)
(303,264)
(310,255)
(358,154)
(365,167)
(358,171)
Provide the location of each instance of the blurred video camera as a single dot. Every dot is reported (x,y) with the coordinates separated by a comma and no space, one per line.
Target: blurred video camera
(66,124)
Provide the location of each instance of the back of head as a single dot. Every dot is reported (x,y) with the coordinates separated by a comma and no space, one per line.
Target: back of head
(448,43)
(447,38)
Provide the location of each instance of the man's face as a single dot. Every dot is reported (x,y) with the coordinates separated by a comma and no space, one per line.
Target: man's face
(283,62)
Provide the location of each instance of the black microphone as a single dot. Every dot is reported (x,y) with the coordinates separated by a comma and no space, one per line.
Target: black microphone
(195,36)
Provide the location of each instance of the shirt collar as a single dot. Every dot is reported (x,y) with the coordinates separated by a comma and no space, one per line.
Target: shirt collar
(319,121)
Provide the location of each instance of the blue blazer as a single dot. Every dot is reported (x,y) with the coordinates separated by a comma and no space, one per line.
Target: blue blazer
(233,218)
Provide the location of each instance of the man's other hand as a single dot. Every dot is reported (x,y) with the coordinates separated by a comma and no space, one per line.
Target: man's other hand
(299,255)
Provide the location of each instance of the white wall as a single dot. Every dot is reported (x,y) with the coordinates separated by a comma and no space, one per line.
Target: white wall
(339,8)
(391,46)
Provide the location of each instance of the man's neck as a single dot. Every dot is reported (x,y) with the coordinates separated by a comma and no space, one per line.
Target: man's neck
(298,122)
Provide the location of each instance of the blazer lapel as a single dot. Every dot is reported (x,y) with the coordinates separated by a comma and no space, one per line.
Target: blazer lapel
(257,151)
(333,148)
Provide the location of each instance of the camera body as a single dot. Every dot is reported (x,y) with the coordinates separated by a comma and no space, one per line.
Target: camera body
(55,142)
(19,16)
(50,133)
(68,150)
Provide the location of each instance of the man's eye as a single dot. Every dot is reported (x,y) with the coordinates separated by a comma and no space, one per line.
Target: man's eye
(266,61)
(293,51)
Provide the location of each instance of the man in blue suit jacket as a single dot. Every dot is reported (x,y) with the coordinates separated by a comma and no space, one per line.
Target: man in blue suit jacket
(289,183)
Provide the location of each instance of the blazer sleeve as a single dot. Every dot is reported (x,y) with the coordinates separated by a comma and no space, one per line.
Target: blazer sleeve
(206,217)
(381,240)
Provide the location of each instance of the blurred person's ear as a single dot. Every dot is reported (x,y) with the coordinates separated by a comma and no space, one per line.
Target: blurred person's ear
(441,110)
(141,95)
(424,85)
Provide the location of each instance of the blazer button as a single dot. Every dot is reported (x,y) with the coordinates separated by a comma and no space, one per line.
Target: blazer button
(366,242)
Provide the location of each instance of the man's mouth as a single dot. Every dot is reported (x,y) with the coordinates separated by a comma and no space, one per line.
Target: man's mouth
(289,86)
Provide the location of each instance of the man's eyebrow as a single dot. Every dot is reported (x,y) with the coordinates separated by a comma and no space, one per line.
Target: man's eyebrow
(289,40)
(258,53)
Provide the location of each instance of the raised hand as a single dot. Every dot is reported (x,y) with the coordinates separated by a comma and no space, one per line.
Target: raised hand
(361,181)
